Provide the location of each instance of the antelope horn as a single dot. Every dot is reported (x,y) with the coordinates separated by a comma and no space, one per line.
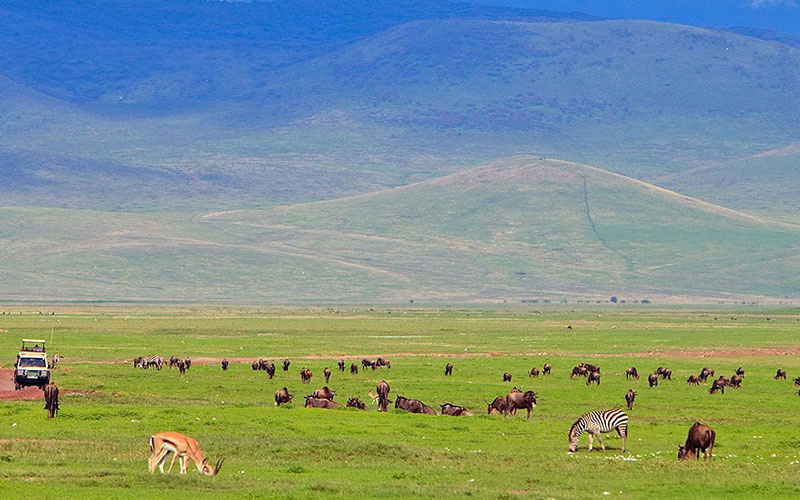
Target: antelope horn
(219,466)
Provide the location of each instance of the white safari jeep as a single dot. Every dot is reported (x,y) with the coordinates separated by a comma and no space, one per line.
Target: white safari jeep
(31,365)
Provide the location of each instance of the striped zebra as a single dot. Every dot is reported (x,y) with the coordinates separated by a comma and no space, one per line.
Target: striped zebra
(153,360)
(598,422)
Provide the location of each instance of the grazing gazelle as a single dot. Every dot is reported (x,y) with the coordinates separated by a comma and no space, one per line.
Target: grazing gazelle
(182,447)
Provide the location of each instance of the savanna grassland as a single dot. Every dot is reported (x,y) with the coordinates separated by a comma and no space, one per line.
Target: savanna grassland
(98,445)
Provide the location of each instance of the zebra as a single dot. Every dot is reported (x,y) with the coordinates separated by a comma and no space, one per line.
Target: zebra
(153,360)
(596,422)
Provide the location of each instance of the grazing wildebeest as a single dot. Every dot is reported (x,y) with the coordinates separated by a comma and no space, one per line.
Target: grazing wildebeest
(598,422)
(327,374)
(383,395)
(629,397)
(341,365)
(665,373)
(413,406)
(323,393)
(693,380)
(736,381)
(270,368)
(593,377)
(705,373)
(255,365)
(365,363)
(632,373)
(224,364)
(286,364)
(356,403)
(181,366)
(506,377)
(455,410)
(534,372)
(516,400)
(718,385)
(590,368)
(780,374)
(701,438)
(51,399)
(188,362)
(797,381)
(138,362)
(305,375)
(282,396)
(353,369)
(579,371)
(652,379)
(740,371)
(546,369)
(173,361)
(569,327)
(725,381)
(312,402)
(448,369)
(381,362)
(498,406)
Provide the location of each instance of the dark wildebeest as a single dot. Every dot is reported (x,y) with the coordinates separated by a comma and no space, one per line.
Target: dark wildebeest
(780,374)
(666,374)
(534,372)
(341,365)
(173,361)
(305,375)
(323,393)
(282,396)
(448,369)
(506,377)
(51,399)
(356,403)
(262,364)
(413,406)
(629,397)
(188,362)
(312,402)
(652,379)
(365,363)
(632,373)
(383,395)
(224,364)
(701,438)
(517,400)
(138,362)
(286,364)
(381,362)
(736,381)
(497,406)
(181,366)
(725,380)
(693,380)
(255,365)
(718,385)
(270,368)
(590,368)
(797,381)
(546,369)
(705,373)
(740,371)
(327,374)
(579,371)
(593,377)
(455,410)
(353,369)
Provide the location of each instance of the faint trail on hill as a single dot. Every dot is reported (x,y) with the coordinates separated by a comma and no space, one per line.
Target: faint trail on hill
(628,262)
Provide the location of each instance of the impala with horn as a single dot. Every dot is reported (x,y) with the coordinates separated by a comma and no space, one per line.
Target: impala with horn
(182,447)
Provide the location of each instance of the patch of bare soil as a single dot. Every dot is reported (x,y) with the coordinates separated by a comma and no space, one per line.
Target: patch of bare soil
(7,392)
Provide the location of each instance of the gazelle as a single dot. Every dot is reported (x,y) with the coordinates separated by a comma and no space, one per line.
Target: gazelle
(374,398)
(182,447)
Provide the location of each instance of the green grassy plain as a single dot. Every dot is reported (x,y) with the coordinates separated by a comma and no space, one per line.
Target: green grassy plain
(97,447)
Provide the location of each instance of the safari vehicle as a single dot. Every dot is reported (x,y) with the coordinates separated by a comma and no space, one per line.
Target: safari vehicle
(31,365)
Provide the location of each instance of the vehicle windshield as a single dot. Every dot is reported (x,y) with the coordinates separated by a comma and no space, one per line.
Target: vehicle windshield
(32,362)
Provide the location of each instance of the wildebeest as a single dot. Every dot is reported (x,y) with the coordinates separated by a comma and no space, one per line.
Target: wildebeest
(705,373)
(181,366)
(665,373)
(51,399)
(591,368)
(740,371)
(534,372)
(305,375)
(323,393)
(780,374)
(736,381)
(652,379)
(455,410)
(593,377)
(516,400)
(693,380)
(579,371)
(383,395)
(718,385)
(224,364)
(188,362)
(312,402)
(365,363)
(270,368)
(138,362)
(546,369)
(327,374)
(632,373)
(353,369)
(413,406)
(286,364)
(381,362)
(448,369)
(701,438)
(629,397)
(173,361)
(282,396)
(506,377)
(797,381)
(356,403)
(497,406)
(341,365)
(725,380)
(255,365)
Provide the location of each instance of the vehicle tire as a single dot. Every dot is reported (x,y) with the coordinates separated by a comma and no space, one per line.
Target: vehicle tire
(16,385)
